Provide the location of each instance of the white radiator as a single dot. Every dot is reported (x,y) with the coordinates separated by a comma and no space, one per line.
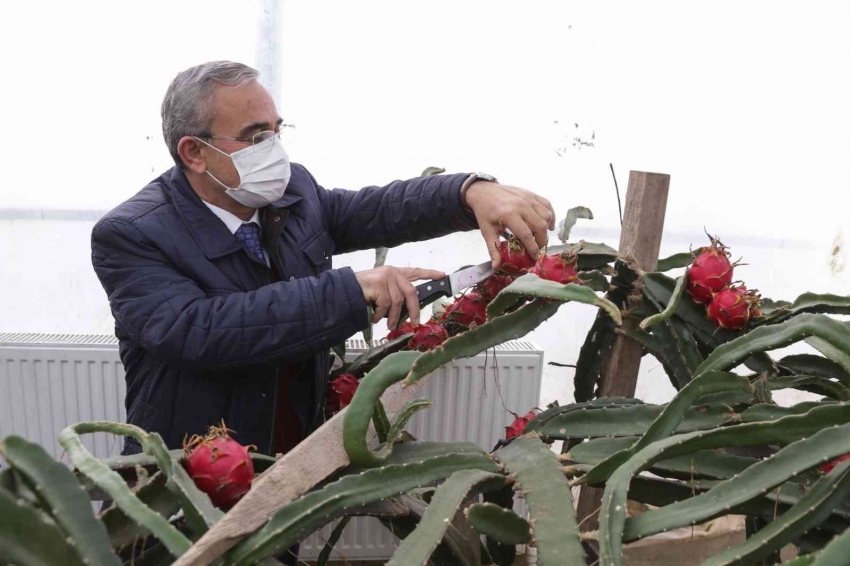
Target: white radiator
(48,381)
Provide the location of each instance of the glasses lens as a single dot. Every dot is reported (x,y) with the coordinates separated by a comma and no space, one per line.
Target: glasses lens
(263,141)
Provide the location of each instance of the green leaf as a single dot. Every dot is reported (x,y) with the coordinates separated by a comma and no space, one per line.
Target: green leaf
(124,531)
(658,288)
(529,285)
(315,509)
(612,514)
(672,305)
(599,339)
(543,418)
(113,484)
(809,303)
(355,424)
(671,417)
(810,364)
(28,537)
(675,261)
(594,280)
(631,420)
(572,217)
(811,510)
(501,524)
(432,171)
(372,357)
(60,494)
(547,493)
(472,342)
(331,542)
(812,384)
(765,338)
(418,546)
(381,422)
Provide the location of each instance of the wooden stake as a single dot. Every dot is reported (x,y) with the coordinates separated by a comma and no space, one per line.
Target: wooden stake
(640,238)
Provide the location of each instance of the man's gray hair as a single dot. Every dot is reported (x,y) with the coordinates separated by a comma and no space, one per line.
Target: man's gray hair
(186,108)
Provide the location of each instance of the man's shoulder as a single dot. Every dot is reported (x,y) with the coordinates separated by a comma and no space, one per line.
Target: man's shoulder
(154,196)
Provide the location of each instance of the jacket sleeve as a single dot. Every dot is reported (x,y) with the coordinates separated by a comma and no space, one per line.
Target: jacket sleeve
(403,211)
(168,315)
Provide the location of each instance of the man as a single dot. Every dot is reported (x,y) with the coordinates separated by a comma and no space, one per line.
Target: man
(219,271)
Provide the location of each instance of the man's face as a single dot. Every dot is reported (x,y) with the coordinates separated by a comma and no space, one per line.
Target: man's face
(238,112)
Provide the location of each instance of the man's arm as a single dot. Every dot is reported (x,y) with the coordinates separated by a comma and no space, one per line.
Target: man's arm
(403,211)
(168,315)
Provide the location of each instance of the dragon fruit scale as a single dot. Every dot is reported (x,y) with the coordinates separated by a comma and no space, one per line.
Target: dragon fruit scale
(468,311)
(341,391)
(428,336)
(493,285)
(220,467)
(515,259)
(710,272)
(561,268)
(517,427)
(733,307)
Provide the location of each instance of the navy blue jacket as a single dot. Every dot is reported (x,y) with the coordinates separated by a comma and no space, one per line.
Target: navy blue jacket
(204,326)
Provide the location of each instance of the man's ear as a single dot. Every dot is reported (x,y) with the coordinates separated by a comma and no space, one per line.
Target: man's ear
(189,150)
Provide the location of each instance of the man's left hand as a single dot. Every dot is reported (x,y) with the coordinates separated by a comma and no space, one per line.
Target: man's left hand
(496,207)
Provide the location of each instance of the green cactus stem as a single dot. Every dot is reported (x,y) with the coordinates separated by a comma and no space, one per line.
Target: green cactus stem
(833,554)
(124,531)
(501,524)
(29,537)
(417,547)
(547,493)
(539,421)
(359,413)
(672,305)
(60,494)
(813,508)
(631,421)
(372,357)
(529,285)
(808,303)
(780,335)
(811,384)
(750,483)
(810,364)
(313,510)
(325,554)
(113,484)
(671,417)
(612,514)
(599,340)
(594,280)
(675,261)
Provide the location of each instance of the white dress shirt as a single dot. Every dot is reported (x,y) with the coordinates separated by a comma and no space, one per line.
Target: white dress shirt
(233,222)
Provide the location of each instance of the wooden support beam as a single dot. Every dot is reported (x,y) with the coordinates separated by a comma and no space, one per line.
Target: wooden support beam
(640,238)
(313,460)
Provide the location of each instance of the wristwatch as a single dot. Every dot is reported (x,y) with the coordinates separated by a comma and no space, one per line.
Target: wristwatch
(471,179)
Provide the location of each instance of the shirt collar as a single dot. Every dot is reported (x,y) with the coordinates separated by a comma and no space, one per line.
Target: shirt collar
(230,220)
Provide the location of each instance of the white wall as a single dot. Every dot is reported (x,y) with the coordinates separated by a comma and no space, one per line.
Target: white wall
(744,105)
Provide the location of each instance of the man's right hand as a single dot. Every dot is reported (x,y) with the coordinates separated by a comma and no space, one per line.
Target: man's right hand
(387,288)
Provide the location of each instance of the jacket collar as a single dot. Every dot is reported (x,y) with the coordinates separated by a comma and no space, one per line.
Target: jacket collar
(210,233)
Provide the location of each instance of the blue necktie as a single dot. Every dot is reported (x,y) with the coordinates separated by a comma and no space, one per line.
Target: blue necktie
(249,234)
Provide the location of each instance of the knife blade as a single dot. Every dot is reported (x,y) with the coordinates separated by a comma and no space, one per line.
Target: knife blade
(450,285)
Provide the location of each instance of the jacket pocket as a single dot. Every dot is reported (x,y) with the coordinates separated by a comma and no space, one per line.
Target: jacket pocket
(320,252)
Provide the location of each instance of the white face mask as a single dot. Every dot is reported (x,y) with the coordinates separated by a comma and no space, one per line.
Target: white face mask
(263,173)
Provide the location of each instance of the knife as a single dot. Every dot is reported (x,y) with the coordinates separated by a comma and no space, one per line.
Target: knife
(450,285)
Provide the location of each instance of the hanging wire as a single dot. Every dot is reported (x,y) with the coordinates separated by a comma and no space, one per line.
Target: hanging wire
(620,206)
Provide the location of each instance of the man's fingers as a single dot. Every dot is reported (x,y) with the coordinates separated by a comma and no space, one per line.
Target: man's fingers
(397,298)
(411,299)
(416,273)
(491,238)
(545,214)
(525,233)
(539,227)
(548,206)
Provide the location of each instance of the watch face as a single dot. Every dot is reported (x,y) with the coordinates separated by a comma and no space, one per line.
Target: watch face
(486,177)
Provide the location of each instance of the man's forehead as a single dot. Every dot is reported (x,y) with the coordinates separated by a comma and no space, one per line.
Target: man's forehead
(236,108)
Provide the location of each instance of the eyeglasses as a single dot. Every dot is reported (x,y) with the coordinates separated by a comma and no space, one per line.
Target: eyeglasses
(285,135)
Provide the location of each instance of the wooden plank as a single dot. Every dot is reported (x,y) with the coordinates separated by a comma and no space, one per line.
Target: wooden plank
(640,238)
(316,458)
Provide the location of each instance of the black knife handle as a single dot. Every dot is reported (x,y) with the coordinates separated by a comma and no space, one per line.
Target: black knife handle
(428,292)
